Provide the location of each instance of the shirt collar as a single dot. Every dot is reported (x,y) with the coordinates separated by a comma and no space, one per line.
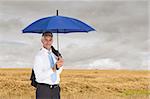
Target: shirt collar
(45,50)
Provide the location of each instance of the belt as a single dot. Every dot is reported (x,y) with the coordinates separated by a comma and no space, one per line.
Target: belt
(50,86)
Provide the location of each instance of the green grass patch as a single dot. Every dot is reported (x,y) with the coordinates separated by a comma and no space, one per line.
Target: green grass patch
(136,92)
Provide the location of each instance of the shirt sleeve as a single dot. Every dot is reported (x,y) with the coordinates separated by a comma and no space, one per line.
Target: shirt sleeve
(40,73)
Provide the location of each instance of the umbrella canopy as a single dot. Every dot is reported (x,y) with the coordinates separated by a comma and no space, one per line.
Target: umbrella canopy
(58,24)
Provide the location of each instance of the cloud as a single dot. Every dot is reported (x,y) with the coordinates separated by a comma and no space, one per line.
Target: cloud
(104,64)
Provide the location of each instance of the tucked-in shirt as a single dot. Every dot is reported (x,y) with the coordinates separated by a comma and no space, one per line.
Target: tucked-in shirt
(42,69)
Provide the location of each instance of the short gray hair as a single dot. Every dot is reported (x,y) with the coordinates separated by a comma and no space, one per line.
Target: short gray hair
(47,34)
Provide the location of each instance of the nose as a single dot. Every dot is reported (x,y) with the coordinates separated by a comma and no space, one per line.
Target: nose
(48,43)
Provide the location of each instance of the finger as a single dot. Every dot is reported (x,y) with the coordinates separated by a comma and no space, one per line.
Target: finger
(60,60)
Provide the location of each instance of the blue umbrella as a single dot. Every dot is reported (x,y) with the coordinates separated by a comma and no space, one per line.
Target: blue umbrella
(58,24)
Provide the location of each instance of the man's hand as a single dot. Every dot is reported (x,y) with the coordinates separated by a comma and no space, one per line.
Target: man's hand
(60,62)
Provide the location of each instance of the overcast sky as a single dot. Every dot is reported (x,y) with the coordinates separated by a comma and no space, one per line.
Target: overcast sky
(120,41)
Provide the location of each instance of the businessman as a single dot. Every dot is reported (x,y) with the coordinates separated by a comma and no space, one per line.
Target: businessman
(47,68)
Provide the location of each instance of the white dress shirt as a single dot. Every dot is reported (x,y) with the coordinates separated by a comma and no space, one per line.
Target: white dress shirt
(42,68)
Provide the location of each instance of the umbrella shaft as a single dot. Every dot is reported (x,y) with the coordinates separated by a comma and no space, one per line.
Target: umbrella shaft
(57,42)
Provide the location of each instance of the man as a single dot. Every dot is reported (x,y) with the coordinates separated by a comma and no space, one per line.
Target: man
(47,69)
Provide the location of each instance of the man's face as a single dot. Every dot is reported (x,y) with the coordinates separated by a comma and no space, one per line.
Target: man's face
(47,42)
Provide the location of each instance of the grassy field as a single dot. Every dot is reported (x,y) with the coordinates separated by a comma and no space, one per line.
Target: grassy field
(80,84)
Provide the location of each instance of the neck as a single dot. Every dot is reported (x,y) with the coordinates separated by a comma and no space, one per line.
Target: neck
(47,48)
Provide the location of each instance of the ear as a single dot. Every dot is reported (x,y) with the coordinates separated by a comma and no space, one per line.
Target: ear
(42,40)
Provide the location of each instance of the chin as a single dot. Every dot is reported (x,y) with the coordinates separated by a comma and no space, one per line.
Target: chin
(47,47)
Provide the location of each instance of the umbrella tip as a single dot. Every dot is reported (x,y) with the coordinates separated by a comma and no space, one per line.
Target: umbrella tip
(57,12)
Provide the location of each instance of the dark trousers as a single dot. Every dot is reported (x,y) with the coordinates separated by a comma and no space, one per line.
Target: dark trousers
(46,92)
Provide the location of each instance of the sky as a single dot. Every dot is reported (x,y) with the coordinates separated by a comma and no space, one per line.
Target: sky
(121,39)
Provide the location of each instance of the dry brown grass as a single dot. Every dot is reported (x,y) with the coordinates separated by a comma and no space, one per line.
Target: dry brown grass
(78,84)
